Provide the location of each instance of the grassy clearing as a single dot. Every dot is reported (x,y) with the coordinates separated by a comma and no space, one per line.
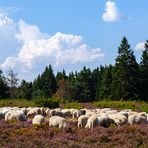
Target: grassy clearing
(16,102)
(74,105)
(134,105)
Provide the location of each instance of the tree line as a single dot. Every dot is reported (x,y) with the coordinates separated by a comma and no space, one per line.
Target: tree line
(126,80)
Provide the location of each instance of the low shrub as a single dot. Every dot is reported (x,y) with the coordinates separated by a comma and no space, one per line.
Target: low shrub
(50,103)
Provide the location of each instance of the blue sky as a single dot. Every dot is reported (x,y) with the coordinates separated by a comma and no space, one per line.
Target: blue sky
(68,33)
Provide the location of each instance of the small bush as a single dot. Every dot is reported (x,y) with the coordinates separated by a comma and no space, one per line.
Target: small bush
(73,105)
(50,103)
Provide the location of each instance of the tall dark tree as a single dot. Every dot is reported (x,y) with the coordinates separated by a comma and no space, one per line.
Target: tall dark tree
(82,86)
(96,80)
(48,81)
(144,73)
(61,75)
(3,87)
(105,83)
(126,73)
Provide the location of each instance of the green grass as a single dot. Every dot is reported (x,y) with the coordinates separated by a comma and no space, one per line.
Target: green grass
(16,102)
(74,105)
(134,105)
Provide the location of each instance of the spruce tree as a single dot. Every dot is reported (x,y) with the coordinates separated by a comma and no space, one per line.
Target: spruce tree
(144,74)
(48,81)
(3,87)
(105,87)
(82,86)
(125,83)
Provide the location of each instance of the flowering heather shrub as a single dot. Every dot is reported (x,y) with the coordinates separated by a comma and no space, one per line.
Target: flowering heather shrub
(24,134)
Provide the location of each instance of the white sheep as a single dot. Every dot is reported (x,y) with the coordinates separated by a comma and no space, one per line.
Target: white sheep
(15,115)
(38,120)
(136,119)
(92,122)
(78,113)
(82,120)
(34,111)
(57,121)
(122,118)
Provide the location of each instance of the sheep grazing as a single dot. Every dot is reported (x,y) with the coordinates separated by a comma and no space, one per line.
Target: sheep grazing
(92,122)
(136,119)
(38,120)
(57,121)
(15,115)
(122,118)
(34,111)
(104,120)
(82,120)
(78,113)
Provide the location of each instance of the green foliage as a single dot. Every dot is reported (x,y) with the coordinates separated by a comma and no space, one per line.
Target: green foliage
(126,73)
(45,85)
(3,86)
(25,90)
(74,105)
(82,86)
(134,105)
(50,103)
(144,74)
(104,88)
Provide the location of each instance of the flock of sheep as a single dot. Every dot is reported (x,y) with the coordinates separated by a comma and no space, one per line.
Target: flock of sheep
(86,118)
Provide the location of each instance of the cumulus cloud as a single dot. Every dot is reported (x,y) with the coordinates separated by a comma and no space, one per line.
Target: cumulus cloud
(29,32)
(59,49)
(140,46)
(112,12)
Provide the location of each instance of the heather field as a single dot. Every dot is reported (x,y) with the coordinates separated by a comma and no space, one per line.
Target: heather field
(16,134)
(25,135)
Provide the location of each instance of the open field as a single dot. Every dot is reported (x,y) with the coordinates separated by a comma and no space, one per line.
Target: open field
(24,134)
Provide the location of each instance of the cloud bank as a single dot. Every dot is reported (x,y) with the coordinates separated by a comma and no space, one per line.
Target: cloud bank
(40,49)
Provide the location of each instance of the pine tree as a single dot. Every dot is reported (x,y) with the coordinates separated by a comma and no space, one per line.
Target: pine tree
(144,74)
(3,87)
(125,83)
(48,81)
(105,87)
(95,79)
(82,86)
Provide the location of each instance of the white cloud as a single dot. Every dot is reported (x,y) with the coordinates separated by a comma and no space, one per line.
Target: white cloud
(4,20)
(38,48)
(29,32)
(10,63)
(111,12)
(140,46)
